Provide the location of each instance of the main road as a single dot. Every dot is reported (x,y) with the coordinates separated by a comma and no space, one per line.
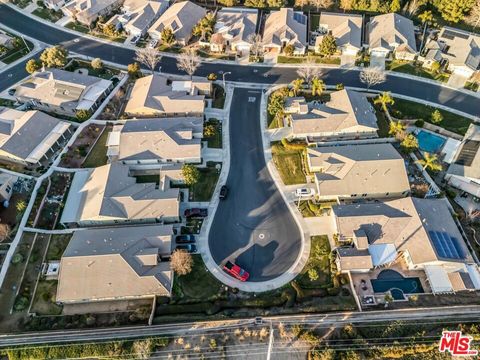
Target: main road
(253,226)
(421,90)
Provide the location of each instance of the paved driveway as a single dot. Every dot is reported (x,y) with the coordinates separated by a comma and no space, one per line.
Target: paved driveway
(253,226)
(377,61)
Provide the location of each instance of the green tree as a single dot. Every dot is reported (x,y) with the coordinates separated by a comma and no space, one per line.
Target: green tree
(256,3)
(289,49)
(167,37)
(313,274)
(204,27)
(212,77)
(430,162)
(276,3)
(209,130)
(317,86)
(409,143)
(228,2)
(436,116)
(110,30)
(297,85)
(454,11)
(276,104)
(97,64)
(133,70)
(435,67)
(55,56)
(395,5)
(190,174)
(328,46)
(384,99)
(396,127)
(32,65)
(181,262)
(426,16)
(21,206)
(83,115)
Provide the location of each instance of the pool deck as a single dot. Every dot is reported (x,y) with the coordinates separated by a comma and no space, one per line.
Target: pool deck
(399,266)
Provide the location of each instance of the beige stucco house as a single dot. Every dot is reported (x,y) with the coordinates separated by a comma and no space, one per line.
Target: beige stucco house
(285,27)
(115,264)
(351,172)
(108,195)
(27,137)
(87,11)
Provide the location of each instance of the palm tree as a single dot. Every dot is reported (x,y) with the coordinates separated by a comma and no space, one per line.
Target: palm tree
(384,99)
(426,18)
(297,85)
(317,86)
(396,127)
(430,161)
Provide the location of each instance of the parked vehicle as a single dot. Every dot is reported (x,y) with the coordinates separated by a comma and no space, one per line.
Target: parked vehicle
(196,212)
(304,192)
(135,39)
(11,92)
(153,44)
(223,192)
(236,271)
(191,248)
(185,239)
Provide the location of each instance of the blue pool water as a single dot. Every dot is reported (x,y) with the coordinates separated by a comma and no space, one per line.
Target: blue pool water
(399,285)
(429,142)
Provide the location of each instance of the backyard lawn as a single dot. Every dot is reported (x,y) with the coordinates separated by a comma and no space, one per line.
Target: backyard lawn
(98,154)
(199,284)
(404,109)
(215,141)
(319,261)
(44,301)
(203,189)
(104,73)
(58,244)
(382,121)
(289,164)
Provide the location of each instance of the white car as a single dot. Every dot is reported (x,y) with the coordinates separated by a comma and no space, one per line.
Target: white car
(153,44)
(304,192)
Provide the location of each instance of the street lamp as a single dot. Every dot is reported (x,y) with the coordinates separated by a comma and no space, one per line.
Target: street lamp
(223,75)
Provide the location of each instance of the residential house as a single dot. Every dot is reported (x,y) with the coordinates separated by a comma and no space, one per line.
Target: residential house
(55,5)
(233,30)
(345,28)
(464,172)
(28,137)
(354,172)
(7,181)
(114,264)
(181,18)
(6,40)
(108,195)
(459,49)
(87,12)
(348,115)
(156,141)
(63,92)
(285,27)
(155,96)
(391,33)
(417,234)
(138,15)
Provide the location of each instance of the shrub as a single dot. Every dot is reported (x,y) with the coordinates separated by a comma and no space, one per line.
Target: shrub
(333,291)
(419,123)
(181,262)
(17,259)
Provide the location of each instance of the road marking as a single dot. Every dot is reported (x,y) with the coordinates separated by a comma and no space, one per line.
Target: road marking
(76,40)
(251,99)
(261,236)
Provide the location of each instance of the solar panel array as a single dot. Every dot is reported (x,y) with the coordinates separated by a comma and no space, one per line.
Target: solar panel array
(450,35)
(447,247)
(302,19)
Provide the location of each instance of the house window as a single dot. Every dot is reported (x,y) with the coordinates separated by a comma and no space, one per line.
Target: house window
(353,195)
(364,195)
(8,189)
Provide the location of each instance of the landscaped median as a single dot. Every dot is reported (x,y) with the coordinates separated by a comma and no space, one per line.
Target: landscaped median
(317,288)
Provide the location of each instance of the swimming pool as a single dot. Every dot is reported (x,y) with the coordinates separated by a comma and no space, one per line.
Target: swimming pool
(390,280)
(430,142)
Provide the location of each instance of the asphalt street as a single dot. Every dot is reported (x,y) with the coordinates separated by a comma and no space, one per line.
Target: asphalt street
(253,227)
(258,74)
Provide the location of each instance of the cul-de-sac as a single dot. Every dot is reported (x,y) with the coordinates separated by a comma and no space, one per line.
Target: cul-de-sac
(239,179)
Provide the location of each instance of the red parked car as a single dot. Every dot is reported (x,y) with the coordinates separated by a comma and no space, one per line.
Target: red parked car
(236,271)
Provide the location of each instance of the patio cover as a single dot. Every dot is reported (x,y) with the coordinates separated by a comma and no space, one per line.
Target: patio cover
(450,149)
(438,279)
(382,253)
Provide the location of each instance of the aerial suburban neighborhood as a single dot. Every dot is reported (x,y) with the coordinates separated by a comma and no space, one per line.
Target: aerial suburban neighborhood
(274,179)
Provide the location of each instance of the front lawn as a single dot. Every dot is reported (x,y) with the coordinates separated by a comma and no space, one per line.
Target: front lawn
(289,164)
(48,14)
(198,285)
(218,97)
(77,27)
(203,189)
(98,154)
(281,59)
(382,121)
(318,264)
(407,67)
(215,140)
(105,72)
(405,109)
(18,51)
